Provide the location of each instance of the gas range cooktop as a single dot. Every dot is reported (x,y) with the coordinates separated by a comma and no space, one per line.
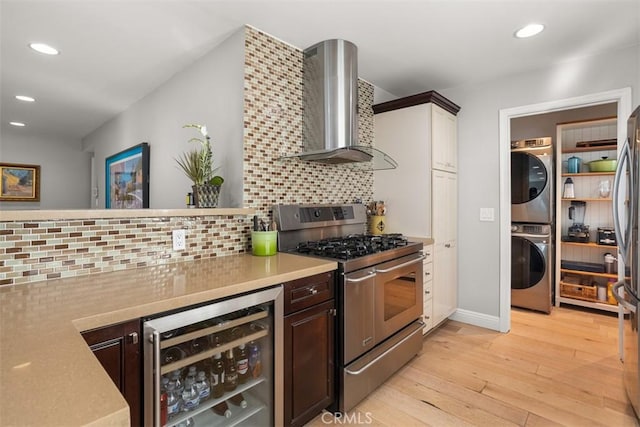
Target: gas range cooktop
(337,232)
(352,246)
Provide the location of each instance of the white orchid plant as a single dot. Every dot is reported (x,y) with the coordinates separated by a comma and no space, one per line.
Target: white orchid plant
(197,164)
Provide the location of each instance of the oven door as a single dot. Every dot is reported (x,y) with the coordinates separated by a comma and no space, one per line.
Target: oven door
(398,294)
(359,313)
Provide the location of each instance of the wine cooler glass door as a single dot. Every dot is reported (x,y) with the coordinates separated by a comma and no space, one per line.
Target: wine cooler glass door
(215,364)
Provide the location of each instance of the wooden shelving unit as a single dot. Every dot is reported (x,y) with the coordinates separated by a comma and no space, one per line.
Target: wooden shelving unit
(587,199)
(590,245)
(589,174)
(590,149)
(600,137)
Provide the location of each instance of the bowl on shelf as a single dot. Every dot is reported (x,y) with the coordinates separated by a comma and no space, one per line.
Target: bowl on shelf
(603,165)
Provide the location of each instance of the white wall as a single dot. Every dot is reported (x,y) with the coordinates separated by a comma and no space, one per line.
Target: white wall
(381,95)
(210,92)
(65,170)
(478,150)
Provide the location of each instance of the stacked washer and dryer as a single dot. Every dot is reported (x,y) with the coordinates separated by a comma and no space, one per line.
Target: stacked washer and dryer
(532,214)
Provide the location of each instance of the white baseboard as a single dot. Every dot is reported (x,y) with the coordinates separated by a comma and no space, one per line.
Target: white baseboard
(476,319)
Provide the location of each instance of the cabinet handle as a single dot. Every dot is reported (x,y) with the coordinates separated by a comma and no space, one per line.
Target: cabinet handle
(427,292)
(426,273)
(333,312)
(447,245)
(313,291)
(133,338)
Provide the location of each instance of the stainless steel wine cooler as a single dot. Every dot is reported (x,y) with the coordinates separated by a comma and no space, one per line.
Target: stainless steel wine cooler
(244,335)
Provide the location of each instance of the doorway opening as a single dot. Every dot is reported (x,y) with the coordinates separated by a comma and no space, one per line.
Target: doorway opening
(622,98)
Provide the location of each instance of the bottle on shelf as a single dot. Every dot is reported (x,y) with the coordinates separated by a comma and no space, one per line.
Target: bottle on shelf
(199,345)
(216,375)
(238,400)
(192,373)
(176,380)
(173,401)
(190,396)
(230,372)
(163,407)
(255,362)
(222,409)
(202,385)
(242,364)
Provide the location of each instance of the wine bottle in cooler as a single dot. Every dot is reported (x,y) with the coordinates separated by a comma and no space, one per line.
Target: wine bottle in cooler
(216,376)
(238,400)
(242,364)
(222,409)
(230,372)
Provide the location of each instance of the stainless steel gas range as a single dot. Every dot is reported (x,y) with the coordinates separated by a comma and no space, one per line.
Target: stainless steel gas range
(378,292)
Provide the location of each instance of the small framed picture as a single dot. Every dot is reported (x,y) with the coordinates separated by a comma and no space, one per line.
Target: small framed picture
(20,183)
(127,178)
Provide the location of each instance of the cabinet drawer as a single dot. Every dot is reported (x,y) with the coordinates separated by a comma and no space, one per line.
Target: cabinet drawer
(427,315)
(427,250)
(308,291)
(428,291)
(427,272)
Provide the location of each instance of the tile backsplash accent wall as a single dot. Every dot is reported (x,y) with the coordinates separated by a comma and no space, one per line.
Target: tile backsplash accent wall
(273,128)
(33,251)
(36,251)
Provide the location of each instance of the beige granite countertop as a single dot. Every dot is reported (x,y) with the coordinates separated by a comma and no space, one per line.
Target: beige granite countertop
(48,375)
(425,240)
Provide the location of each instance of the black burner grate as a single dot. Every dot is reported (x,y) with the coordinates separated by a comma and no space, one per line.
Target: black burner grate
(352,246)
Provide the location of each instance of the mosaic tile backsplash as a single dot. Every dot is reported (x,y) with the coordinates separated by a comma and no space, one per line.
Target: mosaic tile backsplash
(33,251)
(273,128)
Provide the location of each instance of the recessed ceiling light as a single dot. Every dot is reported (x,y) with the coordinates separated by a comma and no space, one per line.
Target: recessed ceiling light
(529,30)
(18,124)
(25,98)
(44,48)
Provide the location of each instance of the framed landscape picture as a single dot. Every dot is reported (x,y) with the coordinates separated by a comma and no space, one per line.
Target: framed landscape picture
(127,178)
(20,183)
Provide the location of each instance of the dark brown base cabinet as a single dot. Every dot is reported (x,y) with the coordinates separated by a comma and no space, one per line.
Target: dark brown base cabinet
(117,347)
(309,333)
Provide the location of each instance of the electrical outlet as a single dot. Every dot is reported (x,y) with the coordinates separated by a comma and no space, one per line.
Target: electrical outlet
(179,240)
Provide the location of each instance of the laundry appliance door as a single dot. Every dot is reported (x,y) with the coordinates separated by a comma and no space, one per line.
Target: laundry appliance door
(531,187)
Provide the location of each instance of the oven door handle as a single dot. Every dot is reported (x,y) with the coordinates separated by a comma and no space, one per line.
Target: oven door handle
(404,264)
(368,365)
(362,279)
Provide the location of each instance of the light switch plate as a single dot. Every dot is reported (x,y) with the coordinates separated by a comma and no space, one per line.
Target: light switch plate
(487,214)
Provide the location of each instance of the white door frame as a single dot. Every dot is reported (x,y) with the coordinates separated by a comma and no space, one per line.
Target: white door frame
(621,96)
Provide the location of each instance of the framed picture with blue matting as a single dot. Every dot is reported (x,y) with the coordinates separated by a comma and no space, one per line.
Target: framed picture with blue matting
(127,178)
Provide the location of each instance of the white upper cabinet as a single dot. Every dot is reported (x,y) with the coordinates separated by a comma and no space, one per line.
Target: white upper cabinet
(444,140)
(413,130)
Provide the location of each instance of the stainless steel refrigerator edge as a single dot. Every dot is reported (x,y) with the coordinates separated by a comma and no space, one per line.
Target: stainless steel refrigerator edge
(627,181)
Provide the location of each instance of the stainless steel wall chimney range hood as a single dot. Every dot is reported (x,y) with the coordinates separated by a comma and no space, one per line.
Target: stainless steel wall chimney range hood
(330,102)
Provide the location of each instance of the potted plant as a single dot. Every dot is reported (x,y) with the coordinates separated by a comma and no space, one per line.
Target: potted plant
(197,164)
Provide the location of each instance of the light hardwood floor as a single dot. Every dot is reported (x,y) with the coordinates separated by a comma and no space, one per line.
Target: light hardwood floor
(549,370)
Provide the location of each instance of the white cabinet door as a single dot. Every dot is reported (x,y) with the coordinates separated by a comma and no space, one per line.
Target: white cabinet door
(444,202)
(444,140)
(445,292)
(445,277)
(405,136)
